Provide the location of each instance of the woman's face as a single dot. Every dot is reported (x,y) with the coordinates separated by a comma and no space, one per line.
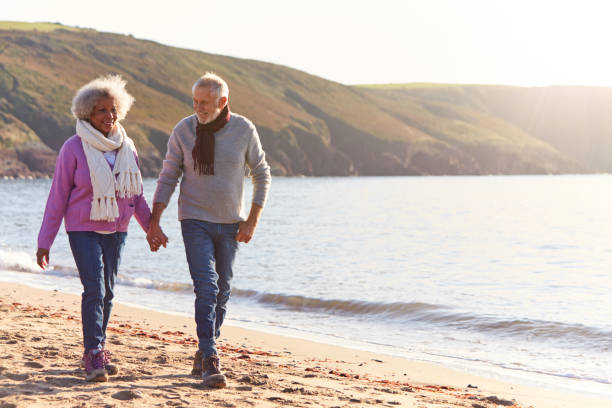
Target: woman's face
(104,115)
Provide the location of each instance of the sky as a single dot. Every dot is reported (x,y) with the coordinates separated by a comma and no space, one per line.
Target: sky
(517,42)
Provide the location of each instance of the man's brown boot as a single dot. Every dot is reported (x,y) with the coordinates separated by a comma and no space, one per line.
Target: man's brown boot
(197,364)
(211,374)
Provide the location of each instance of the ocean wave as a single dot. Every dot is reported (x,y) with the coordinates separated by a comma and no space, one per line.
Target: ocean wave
(154,284)
(403,313)
(25,262)
(18,261)
(440,315)
(352,307)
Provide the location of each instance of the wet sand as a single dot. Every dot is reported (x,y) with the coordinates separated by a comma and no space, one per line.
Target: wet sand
(41,347)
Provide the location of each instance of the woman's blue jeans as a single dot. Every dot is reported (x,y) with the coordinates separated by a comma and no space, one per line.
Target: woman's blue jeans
(97,257)
(211,249)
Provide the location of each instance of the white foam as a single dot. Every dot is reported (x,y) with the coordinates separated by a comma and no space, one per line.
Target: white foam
(19,261)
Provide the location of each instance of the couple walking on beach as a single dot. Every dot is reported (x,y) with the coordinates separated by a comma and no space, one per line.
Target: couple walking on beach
(97,187)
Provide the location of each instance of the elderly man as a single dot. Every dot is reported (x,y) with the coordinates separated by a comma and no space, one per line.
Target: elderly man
(211,149)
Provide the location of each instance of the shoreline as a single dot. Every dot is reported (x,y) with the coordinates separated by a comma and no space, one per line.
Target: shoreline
(297,372)
(556,383)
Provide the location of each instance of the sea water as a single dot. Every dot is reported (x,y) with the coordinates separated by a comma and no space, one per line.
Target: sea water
(506,276)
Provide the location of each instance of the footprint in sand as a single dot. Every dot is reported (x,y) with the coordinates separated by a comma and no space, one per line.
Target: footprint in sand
(127,378)
(252,380)
(161,359)
(127,395)
(280,400)
(63,382)
(17,377)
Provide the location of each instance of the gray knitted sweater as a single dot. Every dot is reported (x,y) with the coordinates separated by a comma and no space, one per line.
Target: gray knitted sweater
(215,198)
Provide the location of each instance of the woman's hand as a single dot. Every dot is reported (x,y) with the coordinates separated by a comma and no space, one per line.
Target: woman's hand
(42,257)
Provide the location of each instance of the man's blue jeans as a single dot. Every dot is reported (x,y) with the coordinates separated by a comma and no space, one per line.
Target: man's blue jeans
(211,249)
(97,257)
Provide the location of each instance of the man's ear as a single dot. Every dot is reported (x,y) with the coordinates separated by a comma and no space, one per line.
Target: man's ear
(222,102)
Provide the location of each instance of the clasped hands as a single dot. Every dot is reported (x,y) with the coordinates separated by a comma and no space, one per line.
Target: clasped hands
(156,237)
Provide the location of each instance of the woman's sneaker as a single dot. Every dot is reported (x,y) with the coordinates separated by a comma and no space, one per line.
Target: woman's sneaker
(111,369)
(94,366)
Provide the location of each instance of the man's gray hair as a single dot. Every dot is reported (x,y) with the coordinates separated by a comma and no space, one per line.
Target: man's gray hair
(213,82)
(110,86)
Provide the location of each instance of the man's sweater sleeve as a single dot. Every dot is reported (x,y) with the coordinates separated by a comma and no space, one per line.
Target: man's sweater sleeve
(260,170)
(171,170)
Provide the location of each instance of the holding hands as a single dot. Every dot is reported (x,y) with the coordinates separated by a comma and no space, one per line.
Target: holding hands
(156,237)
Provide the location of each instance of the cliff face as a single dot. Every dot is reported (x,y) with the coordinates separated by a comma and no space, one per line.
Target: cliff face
(307,125)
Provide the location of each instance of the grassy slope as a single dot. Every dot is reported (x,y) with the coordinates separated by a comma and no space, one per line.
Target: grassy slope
(41,70)
(308,125)
(573,120)
(42,26)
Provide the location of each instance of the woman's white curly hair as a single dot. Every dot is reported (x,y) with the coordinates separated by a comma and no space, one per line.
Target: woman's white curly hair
(112,86)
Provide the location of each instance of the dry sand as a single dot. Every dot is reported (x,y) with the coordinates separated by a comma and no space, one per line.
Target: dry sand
(40,350)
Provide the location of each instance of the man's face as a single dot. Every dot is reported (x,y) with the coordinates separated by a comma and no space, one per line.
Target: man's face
(205,105)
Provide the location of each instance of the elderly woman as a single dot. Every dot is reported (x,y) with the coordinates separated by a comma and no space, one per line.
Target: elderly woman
(96,189)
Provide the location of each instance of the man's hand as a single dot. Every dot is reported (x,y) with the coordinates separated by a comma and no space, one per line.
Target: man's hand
(156,237)
(245,232)
(42,257)
(246,229)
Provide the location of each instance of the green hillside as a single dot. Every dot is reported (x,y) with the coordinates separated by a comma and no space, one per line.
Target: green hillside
(308,125)
(574,120)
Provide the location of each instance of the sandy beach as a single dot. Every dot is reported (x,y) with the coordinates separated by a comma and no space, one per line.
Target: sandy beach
(40,350)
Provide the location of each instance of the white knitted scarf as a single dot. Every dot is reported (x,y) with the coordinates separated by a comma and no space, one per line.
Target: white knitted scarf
(124,178)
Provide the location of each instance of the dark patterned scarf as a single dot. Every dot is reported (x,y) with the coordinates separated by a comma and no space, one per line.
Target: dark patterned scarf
(203,152)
